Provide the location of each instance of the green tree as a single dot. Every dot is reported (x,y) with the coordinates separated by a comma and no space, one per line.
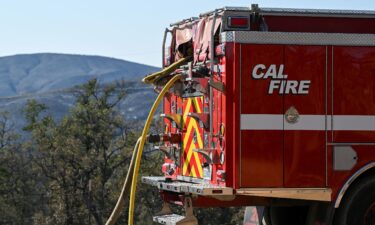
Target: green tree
(19,195)
(70,171)
(83,155)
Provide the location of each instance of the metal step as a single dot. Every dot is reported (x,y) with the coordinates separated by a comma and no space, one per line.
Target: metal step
(153,181)
(165,216)
(171,219)
(179,187)
(187,187)
(174,219)
(208,189)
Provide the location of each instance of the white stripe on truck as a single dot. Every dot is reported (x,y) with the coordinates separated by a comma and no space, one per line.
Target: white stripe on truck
(308,122)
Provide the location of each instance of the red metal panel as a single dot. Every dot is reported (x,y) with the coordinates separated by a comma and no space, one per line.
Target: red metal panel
(261,151)
(230,133)
(338,178)
(329,97)
(354,88)
(236,114)
(169,107)
(353,94)
(304,150)
(232,114)
(320,24)
(222,118)
(218,144)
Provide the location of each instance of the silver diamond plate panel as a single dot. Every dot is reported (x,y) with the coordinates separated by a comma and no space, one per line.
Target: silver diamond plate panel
(171,219)
(227,37)
(190,179)
(172,186)
(153,181)
(292,38)
(187,187)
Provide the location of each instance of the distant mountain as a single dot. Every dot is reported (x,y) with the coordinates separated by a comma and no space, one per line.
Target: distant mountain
(47,77)
(37,73)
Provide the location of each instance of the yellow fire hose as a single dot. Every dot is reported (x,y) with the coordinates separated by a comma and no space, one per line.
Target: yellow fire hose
(132,174)
(142,143)
(165,72)
(125,189)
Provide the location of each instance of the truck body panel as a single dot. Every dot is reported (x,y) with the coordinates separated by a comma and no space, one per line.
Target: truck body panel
(275,104)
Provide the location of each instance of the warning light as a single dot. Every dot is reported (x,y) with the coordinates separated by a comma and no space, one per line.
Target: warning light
(238,22)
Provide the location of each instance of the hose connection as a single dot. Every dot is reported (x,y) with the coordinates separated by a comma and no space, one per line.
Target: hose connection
(171,138)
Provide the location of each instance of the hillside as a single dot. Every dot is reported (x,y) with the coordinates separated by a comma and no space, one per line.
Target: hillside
(38,73)
(48,78)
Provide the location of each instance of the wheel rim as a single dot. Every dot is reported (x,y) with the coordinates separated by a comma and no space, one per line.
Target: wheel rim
(370,215)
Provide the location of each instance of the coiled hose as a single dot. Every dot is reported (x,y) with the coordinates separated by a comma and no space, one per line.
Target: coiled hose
(150,79)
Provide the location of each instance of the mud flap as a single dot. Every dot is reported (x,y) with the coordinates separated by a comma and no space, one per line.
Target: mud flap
(253,215)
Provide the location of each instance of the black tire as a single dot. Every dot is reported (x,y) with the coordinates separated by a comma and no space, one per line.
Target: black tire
(358,205)
(267,216)
(294,215)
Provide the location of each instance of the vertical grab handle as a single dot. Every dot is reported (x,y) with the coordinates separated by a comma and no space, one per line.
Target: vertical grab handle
(212,75)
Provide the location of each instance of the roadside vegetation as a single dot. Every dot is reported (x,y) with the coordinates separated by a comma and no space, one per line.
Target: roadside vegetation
(71,171)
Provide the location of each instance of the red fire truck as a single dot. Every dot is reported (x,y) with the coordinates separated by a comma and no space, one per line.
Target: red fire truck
(276,108)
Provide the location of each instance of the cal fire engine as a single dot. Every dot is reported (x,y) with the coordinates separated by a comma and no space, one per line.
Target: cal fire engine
(269,107)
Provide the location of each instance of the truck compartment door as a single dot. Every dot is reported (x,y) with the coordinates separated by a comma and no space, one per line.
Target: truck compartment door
(305,118)
(261,153)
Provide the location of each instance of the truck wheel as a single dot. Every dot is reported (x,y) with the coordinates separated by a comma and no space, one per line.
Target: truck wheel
(267,216)
(295,215)
(358,205)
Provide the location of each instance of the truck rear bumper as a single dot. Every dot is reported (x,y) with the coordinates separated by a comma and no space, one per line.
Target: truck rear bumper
(203,189)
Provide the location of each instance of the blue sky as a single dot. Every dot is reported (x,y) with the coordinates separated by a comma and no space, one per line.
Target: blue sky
(130,30)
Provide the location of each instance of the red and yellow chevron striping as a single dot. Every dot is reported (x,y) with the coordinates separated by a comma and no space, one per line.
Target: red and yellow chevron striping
(192,139)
